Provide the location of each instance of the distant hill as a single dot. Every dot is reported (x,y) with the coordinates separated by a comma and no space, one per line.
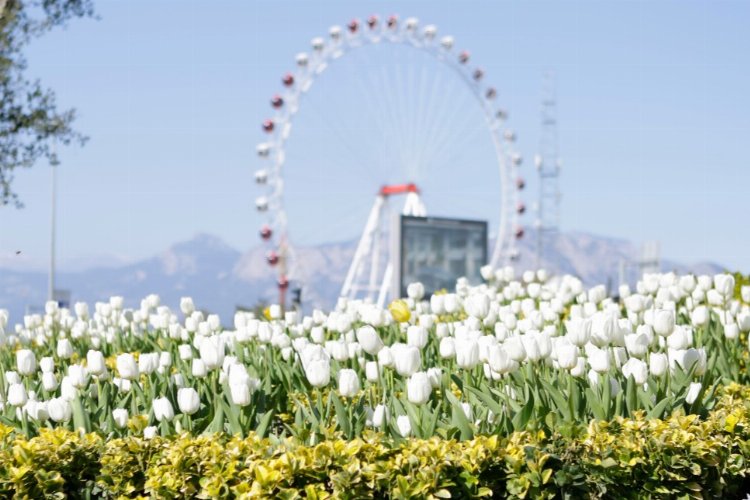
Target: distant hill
(219,277)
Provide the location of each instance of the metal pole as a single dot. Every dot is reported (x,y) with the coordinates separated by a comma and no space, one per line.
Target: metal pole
(51,283)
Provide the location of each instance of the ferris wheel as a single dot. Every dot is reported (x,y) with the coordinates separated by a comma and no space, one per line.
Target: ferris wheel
(409,143)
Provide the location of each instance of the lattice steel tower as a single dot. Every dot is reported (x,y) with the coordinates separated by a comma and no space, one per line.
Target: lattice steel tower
(548,166)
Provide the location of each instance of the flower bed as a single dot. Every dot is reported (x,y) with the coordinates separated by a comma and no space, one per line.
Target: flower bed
(520,386)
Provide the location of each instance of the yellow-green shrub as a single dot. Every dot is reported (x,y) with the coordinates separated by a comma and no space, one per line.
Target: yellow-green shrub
(635,457)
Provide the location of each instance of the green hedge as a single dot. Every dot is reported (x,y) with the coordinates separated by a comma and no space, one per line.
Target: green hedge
(683,456)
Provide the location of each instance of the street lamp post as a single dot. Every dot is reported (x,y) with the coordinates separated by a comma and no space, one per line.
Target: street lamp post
(51,282)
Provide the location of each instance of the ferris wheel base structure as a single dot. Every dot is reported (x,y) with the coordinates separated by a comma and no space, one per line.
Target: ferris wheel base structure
(286,104)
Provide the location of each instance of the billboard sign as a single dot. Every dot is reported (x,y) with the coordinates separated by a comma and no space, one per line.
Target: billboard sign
(437,251)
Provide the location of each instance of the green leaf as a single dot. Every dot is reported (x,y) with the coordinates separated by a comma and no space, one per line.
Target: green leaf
(521,419)
(459,417)
(341,414)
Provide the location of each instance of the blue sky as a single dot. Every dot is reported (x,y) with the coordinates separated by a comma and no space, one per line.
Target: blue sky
(653,113)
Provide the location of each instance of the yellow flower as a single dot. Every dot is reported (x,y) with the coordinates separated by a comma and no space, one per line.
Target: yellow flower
(400,311)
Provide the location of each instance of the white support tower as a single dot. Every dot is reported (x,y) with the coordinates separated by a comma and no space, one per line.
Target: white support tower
(366,276)
(548,166)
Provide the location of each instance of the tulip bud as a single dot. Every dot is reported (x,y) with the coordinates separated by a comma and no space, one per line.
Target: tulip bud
(435,375)
(120,416)
(318,372)
(150,432)
(148,362)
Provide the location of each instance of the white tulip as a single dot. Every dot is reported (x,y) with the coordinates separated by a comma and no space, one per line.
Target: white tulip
(25,362)
(47,364)
(120,416)
(185,351)
(415,291)
(637,344)
(514,347)
(17,395)
(95,362)
(126,366)
(435,375)
(49,381)
(599,360)
(437,304)
(385,357)
(406,359)
(416,336)
(447,347)
(372,371)
(198,368)
(500,361)
(404,425)
(724,284)
(186,306)
(692,394)
(731,331)
(150,432)
(348,383)
(188,400)
(467,354)
(380,416)
(59,410)
(163,409)
(567,356)
(212,351)
(637,369)
(699,316)
(78,376)
(240,394)
(419,388)
(369,339)
(578,331)
(148,362)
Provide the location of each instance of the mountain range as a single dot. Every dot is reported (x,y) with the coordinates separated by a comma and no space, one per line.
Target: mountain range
(221,278)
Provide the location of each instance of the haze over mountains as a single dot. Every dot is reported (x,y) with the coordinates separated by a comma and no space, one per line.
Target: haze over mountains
(220,277)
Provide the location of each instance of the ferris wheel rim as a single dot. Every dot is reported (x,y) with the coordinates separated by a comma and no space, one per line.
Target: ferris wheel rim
(311,66)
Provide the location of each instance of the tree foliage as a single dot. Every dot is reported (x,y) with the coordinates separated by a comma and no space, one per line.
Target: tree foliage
(29,118)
